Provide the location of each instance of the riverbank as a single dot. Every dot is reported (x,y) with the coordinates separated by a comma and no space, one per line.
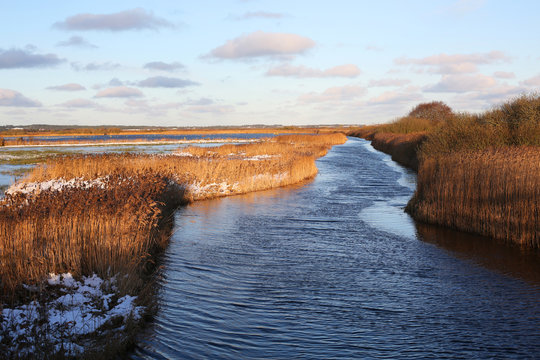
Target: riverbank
(109,217)
(476,173)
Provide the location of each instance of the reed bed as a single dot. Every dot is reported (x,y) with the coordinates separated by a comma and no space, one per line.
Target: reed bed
(476,172)
(493,192)
(111,214)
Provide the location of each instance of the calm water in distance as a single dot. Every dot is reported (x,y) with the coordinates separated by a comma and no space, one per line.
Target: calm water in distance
(333,269)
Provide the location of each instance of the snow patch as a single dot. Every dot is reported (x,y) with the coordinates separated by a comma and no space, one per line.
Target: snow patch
(81,308)
(55,185)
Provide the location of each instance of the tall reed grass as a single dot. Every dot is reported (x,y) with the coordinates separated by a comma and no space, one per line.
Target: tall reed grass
(493,192)
(116,227)
(118,219)
(476,172)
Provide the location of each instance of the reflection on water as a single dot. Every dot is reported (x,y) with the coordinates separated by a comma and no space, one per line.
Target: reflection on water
(504,258)
(307,272)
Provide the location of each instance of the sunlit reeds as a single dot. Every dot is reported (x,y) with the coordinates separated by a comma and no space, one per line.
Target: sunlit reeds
(117,227)
(477,172)
(493,192)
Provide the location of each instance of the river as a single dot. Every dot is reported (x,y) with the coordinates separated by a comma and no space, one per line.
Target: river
(333,268)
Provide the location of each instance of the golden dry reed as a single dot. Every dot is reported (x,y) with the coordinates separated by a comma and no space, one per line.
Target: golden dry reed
(493,192)
(477,172)
(120,226)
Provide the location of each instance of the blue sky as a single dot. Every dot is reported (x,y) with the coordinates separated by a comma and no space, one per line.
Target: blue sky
(203,63)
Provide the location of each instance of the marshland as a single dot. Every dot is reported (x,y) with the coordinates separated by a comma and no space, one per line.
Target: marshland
(270,180)
(109,252)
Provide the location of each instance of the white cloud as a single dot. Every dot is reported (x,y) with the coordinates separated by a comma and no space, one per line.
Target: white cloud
(95,66)
(462,83)
(14,98)
(163,66)
(67,87)
(135,19)
(373,48)
(407,95)
(78,41)
(337,93)
(166,82)
(260,15)
(119,92)
(462,7)
(79,103)
(213,109)
(454,64)
(347,70)
(389,82)
(262,44)
(200,102)
(504,75)
(534,81)
(26,58)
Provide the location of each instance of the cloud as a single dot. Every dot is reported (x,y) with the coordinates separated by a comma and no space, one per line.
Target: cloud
(67,87)
(389,82)
(504,75)
(213,109)
(260,15)
(347,70)
(25,58)
(200,102)
(534,81)
(373,48)
(163,66)
(462,83)
(135,19)
(119,92)
(165,82)
(262,44)
(462,7)
(79,103)
(409,94)
(485,99)
(455,64)
(15,98)
(115,82)
(337,93)
(77,41)
(95,66)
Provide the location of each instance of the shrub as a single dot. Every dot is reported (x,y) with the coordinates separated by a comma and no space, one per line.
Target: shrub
(436,111)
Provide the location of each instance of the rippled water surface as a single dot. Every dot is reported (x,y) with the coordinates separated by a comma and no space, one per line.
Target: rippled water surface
(334,269)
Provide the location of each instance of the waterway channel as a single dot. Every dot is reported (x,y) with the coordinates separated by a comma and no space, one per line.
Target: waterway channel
(333,268)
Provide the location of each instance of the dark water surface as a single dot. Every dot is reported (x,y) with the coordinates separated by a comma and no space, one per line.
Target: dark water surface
(334,269)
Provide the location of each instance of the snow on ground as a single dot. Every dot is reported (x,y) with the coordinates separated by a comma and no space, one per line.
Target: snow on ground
(54,185)
(260,157)
(197,189)
(79,308)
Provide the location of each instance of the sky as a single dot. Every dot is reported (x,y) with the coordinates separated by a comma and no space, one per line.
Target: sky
(247,62)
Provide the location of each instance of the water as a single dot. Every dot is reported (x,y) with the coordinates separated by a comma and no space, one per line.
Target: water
(148,137)
(9,173)
(333,269)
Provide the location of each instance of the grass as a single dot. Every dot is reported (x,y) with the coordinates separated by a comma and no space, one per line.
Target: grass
(478,173)
(120,225)
(493,192)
